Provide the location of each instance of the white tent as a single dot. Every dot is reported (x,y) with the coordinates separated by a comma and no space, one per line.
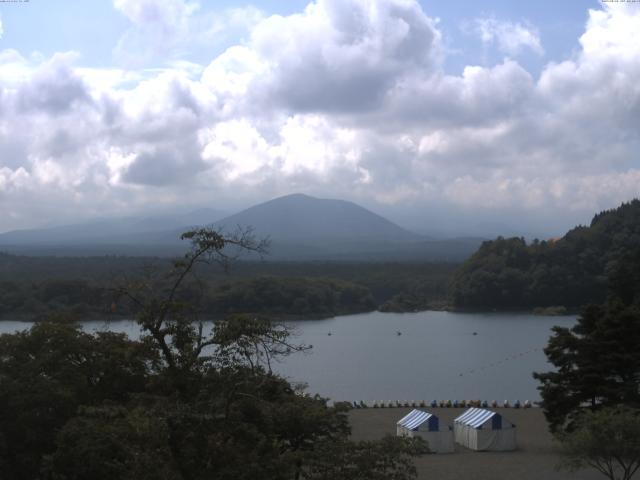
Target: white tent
(480,429)
(427,426)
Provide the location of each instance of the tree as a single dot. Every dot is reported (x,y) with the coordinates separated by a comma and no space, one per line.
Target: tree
(113,442)
(184,403)
(47,373)
(388,459)
(597,361)
(170,321)
(607,440)
(570,271)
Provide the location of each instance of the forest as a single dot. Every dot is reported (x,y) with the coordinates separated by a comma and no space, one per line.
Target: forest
(509,273)
(33,288)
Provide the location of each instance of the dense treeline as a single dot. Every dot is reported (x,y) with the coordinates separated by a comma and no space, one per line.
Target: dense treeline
(36,287)
(294,296)
(571,271)
(273,296)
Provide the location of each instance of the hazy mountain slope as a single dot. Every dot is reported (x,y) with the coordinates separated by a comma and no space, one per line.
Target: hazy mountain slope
(132,230)
(298,217)
(301,228)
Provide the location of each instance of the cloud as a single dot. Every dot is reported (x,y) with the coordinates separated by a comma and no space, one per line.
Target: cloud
(163,31)
(1,28)
(54,87)
(157,27)
(345,99)
(511,38)
(335,56)
(163,166)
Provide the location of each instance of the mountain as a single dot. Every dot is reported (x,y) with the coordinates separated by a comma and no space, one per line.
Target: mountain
(300,218)
(110,231)
(300,227)
(570,271)
(304,228)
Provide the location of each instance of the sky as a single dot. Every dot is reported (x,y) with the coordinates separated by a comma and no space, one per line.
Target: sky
(466,117)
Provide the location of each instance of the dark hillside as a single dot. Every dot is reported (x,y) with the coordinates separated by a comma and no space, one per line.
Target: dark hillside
(571,271)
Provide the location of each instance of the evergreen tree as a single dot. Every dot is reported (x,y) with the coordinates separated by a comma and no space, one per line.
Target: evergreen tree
(598,360)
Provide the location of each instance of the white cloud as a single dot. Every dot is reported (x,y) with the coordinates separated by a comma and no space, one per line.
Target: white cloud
(14,68)
(346,99)
(165,31)
(509,37)
(158,27)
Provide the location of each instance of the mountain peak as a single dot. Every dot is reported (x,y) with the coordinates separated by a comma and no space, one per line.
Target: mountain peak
(302,217)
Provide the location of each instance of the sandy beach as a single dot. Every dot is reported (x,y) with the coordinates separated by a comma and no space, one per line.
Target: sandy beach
(535,458)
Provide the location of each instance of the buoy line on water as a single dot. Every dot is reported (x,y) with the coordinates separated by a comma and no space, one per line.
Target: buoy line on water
(499,362)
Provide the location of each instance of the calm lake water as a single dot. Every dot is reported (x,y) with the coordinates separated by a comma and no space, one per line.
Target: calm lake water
(437,355)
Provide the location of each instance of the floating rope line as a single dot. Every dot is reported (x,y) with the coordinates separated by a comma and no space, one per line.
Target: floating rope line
(499,362)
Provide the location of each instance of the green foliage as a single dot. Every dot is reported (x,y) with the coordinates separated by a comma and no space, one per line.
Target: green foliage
(112,442)
(607,440)
(181,404)
(47,373)
(597,361)
(572,271)
(290,296)
(388,459)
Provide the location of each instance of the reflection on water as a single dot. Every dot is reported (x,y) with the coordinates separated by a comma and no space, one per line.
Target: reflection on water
(411,356)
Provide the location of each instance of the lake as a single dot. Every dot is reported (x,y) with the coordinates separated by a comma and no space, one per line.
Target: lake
(436,355)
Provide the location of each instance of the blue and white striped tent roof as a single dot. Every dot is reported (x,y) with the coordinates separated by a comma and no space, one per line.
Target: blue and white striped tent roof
(476,417)
(416,418)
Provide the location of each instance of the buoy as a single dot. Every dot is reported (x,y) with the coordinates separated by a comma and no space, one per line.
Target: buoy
(399,333)
(475,333)
(329,333)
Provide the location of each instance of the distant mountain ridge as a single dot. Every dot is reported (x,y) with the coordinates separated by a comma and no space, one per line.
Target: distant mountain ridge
(110,230)
(301,228)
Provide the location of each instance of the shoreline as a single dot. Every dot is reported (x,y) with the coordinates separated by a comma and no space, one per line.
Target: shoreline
(98,316)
